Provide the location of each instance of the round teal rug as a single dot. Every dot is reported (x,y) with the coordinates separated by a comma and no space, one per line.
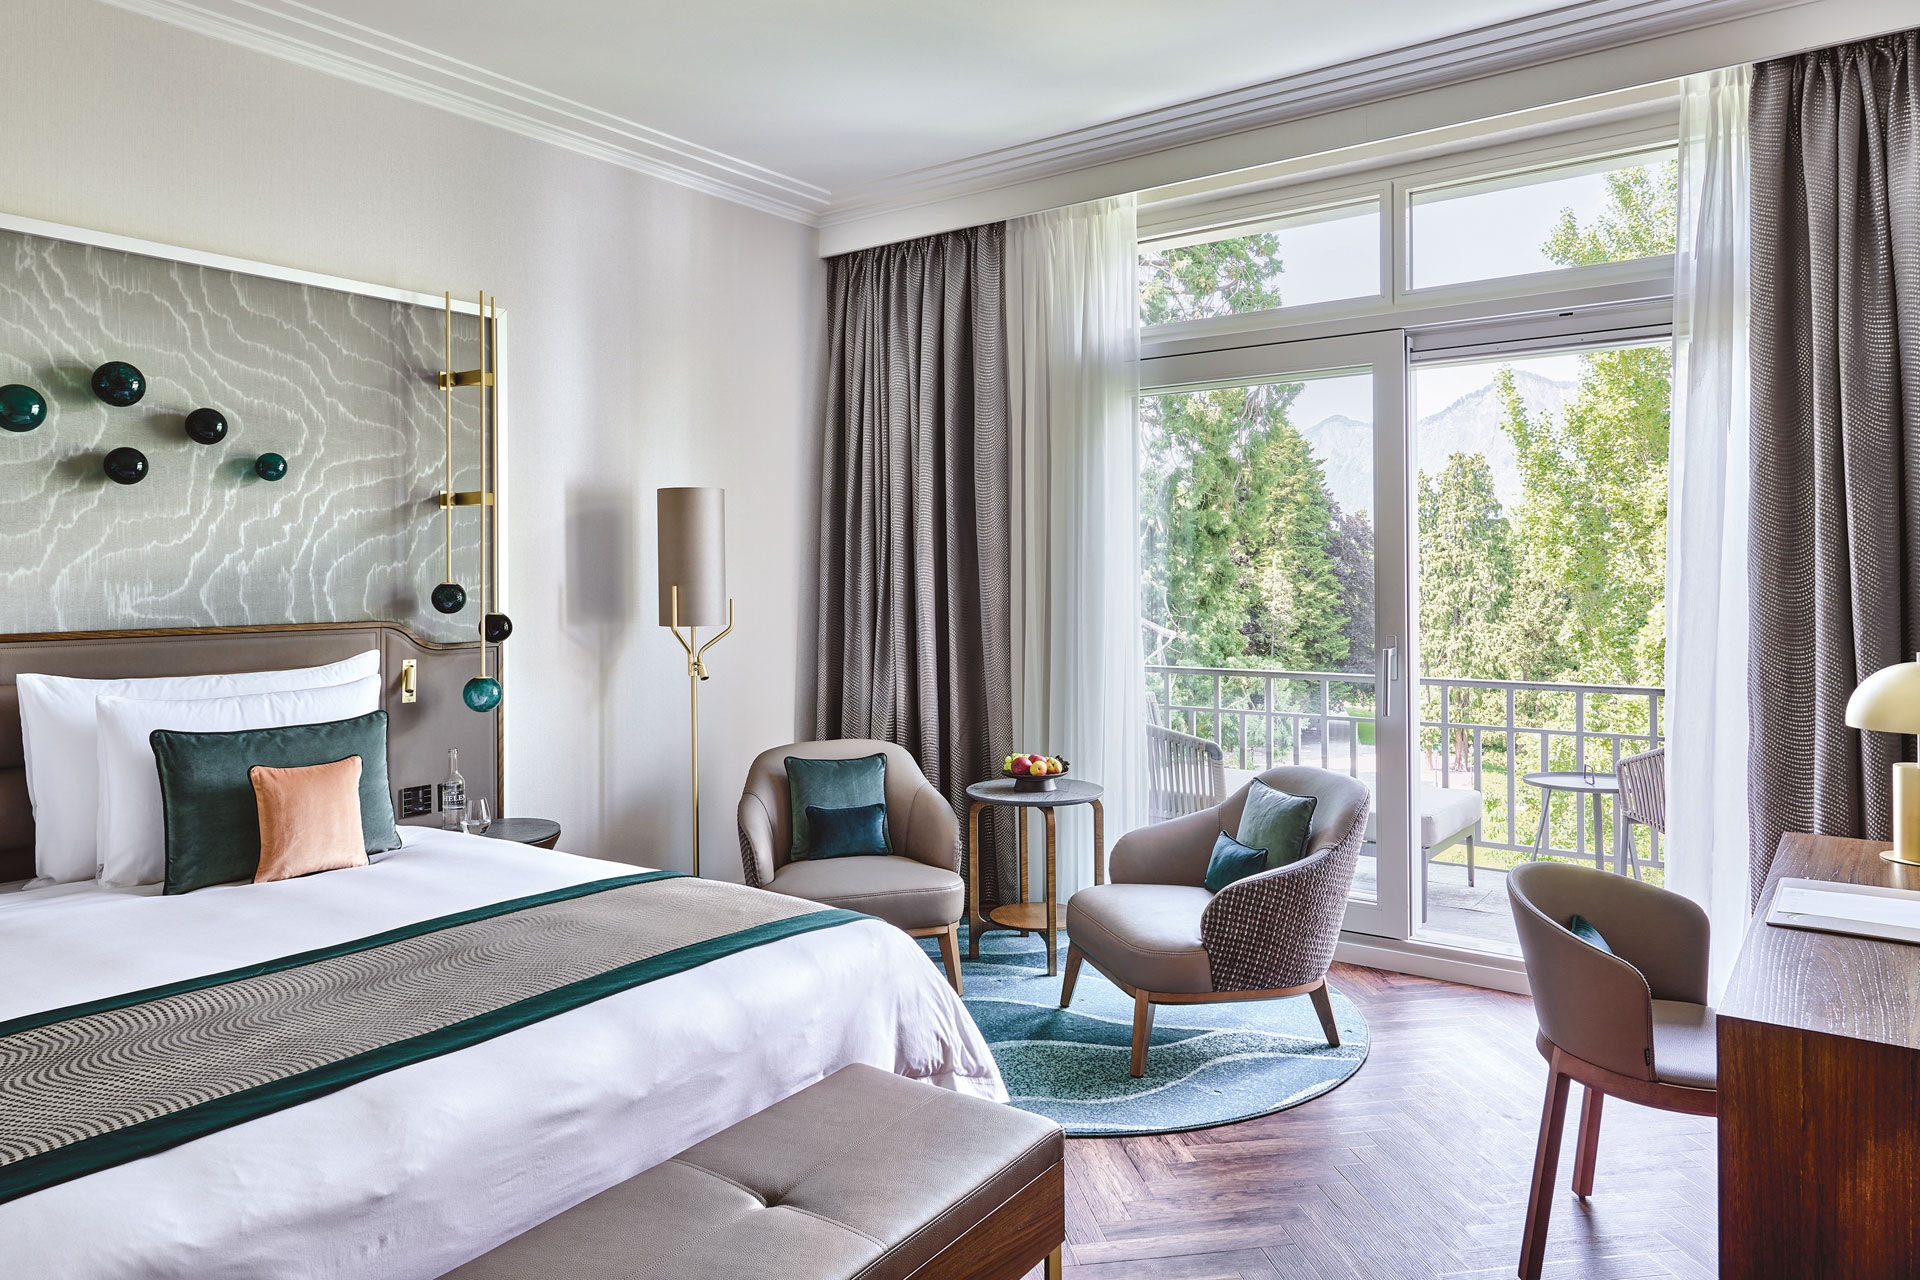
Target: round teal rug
(1207,1064)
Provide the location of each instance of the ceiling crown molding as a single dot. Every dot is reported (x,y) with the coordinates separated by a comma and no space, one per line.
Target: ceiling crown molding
(307,36)
(1565,31)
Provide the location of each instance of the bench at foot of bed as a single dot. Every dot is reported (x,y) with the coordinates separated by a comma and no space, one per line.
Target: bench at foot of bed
(864,1175)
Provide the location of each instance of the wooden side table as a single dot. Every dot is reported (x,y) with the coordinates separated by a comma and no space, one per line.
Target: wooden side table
(541,833)
(1042,916)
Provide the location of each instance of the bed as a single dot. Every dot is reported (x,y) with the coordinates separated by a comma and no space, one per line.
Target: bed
(412,1171)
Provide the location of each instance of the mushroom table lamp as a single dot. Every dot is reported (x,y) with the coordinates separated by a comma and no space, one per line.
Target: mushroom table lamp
(1888,701)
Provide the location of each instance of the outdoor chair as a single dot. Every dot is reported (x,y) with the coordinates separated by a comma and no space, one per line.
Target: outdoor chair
(1185,774)
(1643,801)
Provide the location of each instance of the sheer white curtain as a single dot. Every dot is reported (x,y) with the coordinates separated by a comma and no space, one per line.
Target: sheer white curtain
(1707,517)
(1073,348)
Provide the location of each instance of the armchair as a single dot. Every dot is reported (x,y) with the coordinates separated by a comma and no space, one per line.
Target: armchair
(1159,935)
(916,888)
(1631,1020)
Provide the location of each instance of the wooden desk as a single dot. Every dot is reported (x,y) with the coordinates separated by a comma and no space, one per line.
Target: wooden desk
(1820,1088)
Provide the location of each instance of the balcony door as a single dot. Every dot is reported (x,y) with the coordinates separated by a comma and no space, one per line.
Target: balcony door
(1275,598)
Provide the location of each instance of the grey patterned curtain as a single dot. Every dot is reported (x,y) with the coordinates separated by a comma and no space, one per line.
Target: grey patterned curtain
(914,636)
(1835,568)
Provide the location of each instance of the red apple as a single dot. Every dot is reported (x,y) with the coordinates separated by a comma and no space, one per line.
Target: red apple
(1020,764)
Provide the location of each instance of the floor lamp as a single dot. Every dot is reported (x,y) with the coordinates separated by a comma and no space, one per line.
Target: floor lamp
(693,594)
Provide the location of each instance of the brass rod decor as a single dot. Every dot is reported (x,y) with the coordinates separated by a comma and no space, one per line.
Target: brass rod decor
(482,693)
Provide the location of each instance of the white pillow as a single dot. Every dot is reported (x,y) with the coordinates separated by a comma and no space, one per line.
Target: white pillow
(132,834)
(58,726)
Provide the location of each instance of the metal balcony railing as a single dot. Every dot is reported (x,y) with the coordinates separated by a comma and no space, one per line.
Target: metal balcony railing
(1471,730)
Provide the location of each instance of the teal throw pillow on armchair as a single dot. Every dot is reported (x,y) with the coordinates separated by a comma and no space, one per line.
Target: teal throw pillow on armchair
(847,833)
(834,784)
(1277,822)
(1232,861)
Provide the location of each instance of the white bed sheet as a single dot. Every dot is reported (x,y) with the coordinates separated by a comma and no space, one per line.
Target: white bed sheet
(410,1173)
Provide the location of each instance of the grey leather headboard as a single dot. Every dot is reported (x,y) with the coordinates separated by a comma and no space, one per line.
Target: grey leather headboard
(418,734)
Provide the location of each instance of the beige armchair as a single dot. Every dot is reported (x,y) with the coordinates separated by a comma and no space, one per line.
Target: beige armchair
(1634,1023)
(917,887)
(1163,939)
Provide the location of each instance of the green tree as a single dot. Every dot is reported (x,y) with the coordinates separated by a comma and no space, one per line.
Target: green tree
(1592,522)
(1238,531)
(1219,278)
(1352,552)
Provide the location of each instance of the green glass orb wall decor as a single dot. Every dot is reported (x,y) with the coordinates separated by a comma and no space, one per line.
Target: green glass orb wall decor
(497,627)
(270,466)
(482,693)
(125,465)
(449,597)
(119,384)
(21,407)
(207,426)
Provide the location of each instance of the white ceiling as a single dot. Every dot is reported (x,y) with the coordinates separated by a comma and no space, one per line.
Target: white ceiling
(823,110)
(847,93)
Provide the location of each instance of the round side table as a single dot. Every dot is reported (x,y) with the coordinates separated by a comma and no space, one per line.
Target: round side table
(1042,916)
(1596,785)
(541,833)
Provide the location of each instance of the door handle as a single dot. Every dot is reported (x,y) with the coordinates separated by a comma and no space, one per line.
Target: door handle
(1389,665)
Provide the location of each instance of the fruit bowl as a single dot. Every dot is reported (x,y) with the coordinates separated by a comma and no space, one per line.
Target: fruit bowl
(1032,771)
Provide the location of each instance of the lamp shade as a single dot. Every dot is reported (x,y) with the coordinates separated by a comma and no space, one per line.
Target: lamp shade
(693,556)
(1888,701)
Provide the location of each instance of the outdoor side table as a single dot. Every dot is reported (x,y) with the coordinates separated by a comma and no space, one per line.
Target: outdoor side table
(1042,916)
(1598,786)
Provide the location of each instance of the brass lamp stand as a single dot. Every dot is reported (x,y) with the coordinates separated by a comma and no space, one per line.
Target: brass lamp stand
(696,672)
(693,587)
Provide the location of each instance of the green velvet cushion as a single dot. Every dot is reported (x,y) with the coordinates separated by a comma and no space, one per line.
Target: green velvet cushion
(1232,861)
(845,833)
(1581,928)
(1277,822)
(832,784)
(212,816)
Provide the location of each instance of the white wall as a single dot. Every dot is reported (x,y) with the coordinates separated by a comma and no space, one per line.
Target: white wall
(655,337)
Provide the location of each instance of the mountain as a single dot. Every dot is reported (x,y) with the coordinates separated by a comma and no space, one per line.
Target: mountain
(1470,424)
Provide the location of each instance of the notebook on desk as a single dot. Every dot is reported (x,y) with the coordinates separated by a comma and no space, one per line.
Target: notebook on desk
(1861,910)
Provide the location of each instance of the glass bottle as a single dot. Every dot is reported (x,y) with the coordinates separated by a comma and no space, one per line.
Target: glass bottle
(453,794)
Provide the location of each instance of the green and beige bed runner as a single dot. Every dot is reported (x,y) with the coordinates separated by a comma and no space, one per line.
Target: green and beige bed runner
(97,1084)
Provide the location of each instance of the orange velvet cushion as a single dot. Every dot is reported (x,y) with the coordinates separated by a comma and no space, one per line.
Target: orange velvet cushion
(309,819)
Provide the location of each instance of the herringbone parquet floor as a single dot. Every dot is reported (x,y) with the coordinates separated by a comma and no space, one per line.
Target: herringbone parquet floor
(1417,1168)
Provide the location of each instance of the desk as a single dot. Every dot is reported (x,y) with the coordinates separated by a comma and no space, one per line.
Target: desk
(1820,1088)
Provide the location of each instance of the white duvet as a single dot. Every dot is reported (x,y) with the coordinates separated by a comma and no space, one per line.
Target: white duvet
(410,1173)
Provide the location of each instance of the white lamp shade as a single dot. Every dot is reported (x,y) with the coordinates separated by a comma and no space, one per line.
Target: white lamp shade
(693,556)
(1888,701)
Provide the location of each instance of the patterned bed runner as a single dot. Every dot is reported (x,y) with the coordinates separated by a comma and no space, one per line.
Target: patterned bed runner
(97,1084)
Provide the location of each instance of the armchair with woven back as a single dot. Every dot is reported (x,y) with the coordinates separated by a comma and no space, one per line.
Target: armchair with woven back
(1162,937)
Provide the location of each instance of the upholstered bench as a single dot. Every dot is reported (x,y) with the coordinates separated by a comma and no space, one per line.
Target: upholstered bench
(864,1174)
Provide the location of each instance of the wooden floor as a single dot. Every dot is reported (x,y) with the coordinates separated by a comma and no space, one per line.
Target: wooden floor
(1416,1167)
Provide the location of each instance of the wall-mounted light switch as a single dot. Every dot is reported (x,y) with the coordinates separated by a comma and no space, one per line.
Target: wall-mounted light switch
(416,802)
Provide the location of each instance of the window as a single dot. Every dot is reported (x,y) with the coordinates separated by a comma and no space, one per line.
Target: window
(1542,220)
(1291,261)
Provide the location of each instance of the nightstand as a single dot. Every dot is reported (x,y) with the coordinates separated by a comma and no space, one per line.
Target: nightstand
(541,833)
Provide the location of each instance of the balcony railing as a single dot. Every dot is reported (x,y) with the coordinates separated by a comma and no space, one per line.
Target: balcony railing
(1486,734)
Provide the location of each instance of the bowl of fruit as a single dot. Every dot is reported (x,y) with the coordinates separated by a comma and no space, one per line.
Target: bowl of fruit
(1033,772)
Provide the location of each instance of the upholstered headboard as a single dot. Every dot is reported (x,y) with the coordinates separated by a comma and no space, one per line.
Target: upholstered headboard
(419,732)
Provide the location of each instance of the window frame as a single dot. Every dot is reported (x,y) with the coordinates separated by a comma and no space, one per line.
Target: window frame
(1592,307)
(1398,305)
